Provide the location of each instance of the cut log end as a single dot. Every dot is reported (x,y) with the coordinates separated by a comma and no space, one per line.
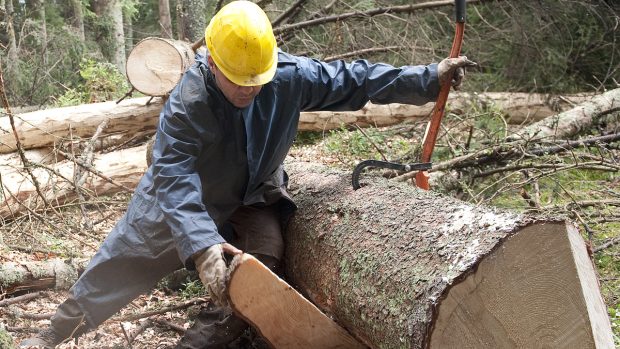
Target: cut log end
(155,65)
(538,289)
(282,316)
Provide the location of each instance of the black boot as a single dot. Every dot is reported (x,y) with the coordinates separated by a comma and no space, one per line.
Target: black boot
(214,328)
(68,322)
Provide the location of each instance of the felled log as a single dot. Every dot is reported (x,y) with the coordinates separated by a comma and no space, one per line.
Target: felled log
(47,127)
(404,268)
(44,128)
(120,170)
(39,275)
(155,65)
(283,317)
(571,122)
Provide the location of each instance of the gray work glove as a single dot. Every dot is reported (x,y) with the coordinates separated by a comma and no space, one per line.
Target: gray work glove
(211,268)
(453,70)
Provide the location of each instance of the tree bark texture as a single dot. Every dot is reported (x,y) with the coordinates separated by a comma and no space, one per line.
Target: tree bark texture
(10,29)
(44,128)
(385,262)
(47,127)
(571,122)
(78,17)
(113,45)
(193,16)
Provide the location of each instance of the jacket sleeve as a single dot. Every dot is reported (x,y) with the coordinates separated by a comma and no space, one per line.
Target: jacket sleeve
(349,86)
(177,184)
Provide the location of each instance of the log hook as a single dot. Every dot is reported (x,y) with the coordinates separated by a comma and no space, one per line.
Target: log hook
(432,129)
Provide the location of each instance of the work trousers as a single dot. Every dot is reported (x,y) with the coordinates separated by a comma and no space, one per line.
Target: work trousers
(133,258)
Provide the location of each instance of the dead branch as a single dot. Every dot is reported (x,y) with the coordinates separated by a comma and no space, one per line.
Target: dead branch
(19,299)
(286,14)
(18,143)
(607,244)
(365,14)
(137,316)
(94,171)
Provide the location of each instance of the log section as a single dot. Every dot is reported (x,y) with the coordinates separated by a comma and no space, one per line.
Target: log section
(155,65)
(406,268)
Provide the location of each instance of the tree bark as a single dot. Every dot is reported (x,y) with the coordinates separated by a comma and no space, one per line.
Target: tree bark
(401,267)
(40,5)
(113,46)
(122,170)
(78,18)
(30,276)
(573,121)
(10,29)
(192,14)
(44,128)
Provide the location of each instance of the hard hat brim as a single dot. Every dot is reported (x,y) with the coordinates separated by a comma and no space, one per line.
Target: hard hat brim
(250,80)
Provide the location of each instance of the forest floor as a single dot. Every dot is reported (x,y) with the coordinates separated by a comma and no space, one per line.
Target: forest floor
(62,234)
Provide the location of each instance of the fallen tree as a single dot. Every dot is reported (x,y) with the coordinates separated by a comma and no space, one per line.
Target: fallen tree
(400,267)
(46,128)
(571,122)
(109,173)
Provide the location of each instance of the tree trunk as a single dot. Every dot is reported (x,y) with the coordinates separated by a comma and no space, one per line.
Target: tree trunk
(123,167)
(40,5)
(193,14)
(10,29)
(45,128)
(573,121)
(30,276)
(401,267)
(116,14)
(113,45)
(128,30)
(165,21)
(78,18)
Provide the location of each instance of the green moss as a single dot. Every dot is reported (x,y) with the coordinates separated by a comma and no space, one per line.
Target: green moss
(6,341)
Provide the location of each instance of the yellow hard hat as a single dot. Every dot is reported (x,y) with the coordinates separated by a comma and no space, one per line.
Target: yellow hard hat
(241,42)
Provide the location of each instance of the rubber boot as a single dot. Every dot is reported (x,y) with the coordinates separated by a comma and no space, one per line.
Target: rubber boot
(216,327)
(67,322)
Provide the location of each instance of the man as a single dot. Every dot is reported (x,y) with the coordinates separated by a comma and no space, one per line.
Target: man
(216,185)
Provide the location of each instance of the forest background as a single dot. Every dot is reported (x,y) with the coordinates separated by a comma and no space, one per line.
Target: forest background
(59,53)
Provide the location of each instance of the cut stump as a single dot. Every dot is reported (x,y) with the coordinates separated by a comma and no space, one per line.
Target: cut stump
(282,315)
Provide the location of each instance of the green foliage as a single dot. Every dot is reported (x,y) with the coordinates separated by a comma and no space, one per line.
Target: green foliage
(544,46)
(192,289)
(100,82)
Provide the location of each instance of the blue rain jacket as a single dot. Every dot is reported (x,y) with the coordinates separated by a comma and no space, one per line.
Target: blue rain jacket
(210,157)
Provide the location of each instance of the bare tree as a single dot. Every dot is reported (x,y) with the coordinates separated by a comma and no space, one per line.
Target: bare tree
(191,19)
(12,52)
(165,20)
(78,17)
(113,45)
